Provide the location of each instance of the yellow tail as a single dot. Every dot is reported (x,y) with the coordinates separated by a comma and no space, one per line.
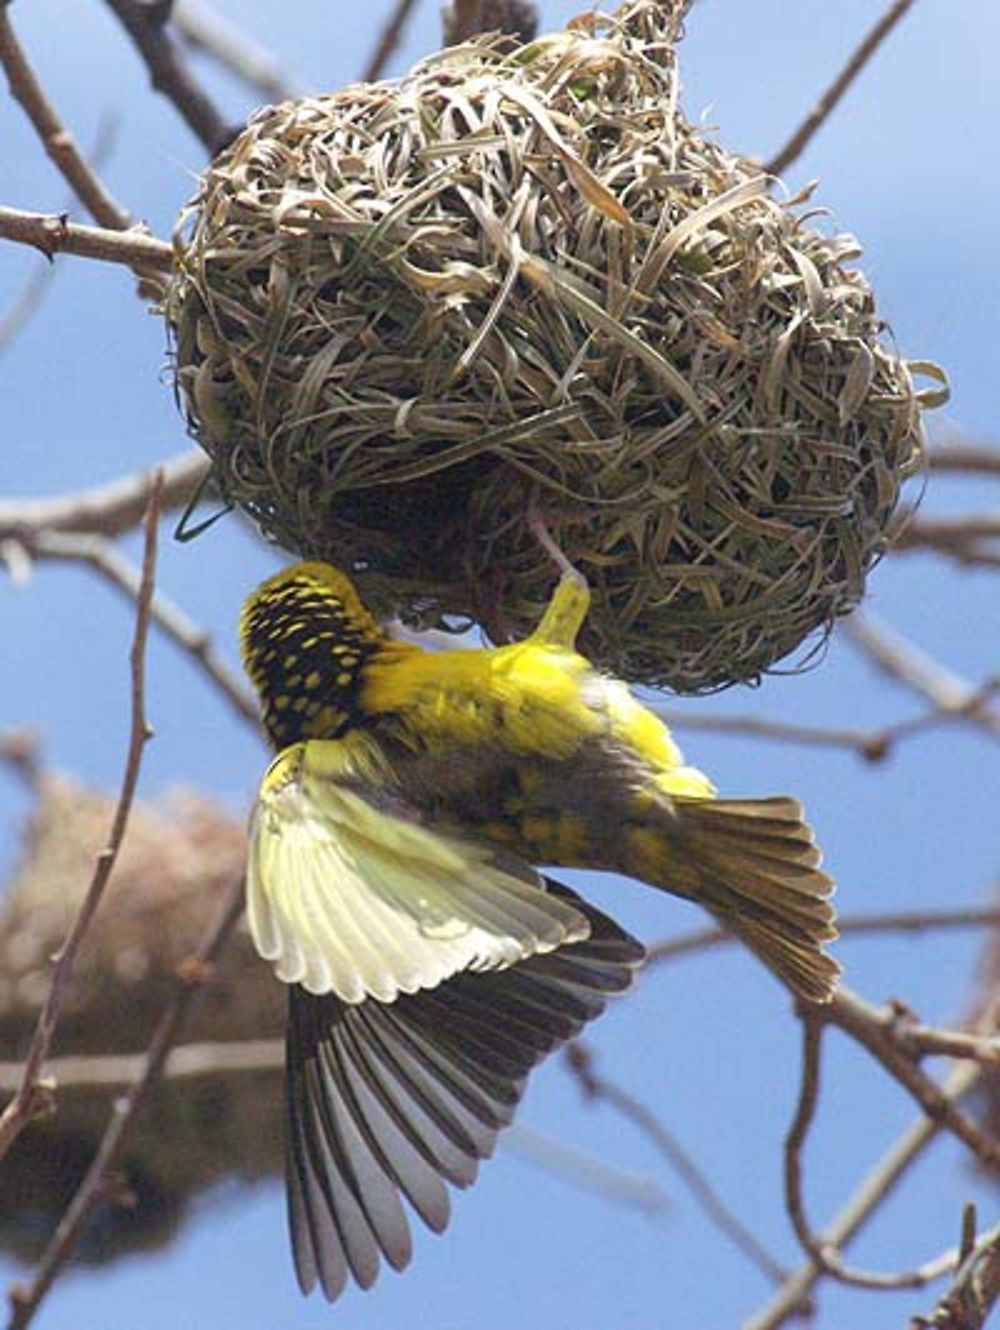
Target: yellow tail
(755,864)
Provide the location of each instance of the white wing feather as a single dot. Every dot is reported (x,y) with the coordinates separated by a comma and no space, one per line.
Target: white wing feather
(348,899)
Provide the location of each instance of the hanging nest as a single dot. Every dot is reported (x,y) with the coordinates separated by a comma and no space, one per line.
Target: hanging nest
(407,314)
(195,1133)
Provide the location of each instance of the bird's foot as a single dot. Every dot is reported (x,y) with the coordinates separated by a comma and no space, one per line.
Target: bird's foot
(570,601)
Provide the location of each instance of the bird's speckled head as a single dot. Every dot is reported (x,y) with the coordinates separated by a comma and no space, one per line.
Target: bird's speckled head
(305,637)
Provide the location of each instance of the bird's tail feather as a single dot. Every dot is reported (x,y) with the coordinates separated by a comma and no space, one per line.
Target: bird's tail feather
(757,870)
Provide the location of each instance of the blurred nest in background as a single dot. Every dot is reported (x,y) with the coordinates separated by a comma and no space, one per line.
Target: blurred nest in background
(404,313)
(178,861)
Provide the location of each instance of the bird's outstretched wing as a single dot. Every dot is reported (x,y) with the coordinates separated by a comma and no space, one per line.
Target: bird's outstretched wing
(348,895)
(393,1100)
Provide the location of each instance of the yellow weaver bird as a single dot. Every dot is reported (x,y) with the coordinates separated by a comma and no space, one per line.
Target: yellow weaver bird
(391,884)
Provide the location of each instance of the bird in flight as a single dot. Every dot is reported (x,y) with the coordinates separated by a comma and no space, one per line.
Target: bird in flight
(394,884)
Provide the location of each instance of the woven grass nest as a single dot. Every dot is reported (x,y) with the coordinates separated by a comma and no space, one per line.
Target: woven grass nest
(196,1133)
(408,314)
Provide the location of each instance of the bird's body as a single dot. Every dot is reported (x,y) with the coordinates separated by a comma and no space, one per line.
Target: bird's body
(391,875)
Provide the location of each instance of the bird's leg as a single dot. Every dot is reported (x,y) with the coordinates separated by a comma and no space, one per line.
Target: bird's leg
(566,611)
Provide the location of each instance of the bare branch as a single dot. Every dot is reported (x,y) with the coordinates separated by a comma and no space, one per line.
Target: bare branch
(40,279)
(54,233)
(388,39)
(34,1097)
(974,1292)
(210,1058)
(868,1027)
(972,539)
(927,1040)
(186,1062)
(580,1062)
(901,921)
(826,1257)
(105,510)
(203,28)
(867,1198)
(191,979)
(100,555)
(823,109)
(907,664)
(966,459)
(59,144)
(781,731)
(146,25)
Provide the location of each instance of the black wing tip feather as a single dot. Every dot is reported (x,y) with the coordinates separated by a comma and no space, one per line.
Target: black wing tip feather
(393,1100)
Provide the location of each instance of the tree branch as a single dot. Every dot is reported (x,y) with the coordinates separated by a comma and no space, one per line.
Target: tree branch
(965,459)
(824,1256)
(867,1026)
(203,28)
(100,555)
(901,921)
(581,1064)
(974,1292)
(34,1097)
(824,107)
(106,510)
(57,141)
(867,1198)
(904,662)
(54,233)
(389,38)
(191,979)
(146,25)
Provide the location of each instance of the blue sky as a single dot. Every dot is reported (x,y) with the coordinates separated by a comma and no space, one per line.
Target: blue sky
(907,164)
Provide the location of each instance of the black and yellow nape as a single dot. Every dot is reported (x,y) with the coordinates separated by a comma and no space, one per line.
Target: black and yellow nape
(305,637)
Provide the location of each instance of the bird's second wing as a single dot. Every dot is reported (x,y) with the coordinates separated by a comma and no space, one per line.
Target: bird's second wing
(347,894)
(386,1101)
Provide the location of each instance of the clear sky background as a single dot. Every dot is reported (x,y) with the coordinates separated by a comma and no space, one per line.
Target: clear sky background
(908,163)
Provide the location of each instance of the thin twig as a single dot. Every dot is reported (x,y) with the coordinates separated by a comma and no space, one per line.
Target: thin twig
(106,510)
(867,1198)
(389,38)
(966,459)
(582,1170)
(34,1097)
(865,1025)
(972,540)
(872,745)
(927,1040)
(102,556)
(973,1293)
(581,1064)
(40,279)
(901,921)
(821,112)
(907,664)
(54,233)
(146,25)
(211,1058)
(828,1258)
(203,28)
(185,1062)
(56,139)
(192,978)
